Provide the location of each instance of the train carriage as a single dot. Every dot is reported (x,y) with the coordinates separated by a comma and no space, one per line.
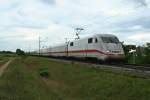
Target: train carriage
(100,46)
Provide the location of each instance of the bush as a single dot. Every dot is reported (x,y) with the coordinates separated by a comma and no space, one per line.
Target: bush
(20,52)
(44,72)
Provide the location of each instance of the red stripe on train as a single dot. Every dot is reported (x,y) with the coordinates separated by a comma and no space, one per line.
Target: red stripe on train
(84,51)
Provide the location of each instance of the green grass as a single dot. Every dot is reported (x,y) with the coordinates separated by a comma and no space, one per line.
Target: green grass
(4,58)
(22,81)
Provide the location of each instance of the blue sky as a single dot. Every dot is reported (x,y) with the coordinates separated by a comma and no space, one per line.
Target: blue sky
(23,21)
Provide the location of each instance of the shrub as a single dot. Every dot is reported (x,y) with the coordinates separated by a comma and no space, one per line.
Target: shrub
(20,52)
(44,72)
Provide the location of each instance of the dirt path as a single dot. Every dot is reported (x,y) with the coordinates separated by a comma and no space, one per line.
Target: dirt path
(3,67)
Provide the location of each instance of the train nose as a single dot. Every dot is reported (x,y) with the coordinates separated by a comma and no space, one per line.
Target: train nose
(115,54)
(115,57)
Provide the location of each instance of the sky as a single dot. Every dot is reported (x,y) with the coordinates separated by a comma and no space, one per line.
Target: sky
(23,21)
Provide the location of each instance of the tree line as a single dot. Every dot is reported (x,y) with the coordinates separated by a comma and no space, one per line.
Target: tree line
(137,54)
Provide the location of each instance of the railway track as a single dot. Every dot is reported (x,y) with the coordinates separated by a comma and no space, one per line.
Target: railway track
(135,67)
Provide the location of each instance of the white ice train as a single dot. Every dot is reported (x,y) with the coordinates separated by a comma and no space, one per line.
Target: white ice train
(100,46)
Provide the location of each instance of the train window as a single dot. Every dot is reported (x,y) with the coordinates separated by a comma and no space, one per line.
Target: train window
(110,39)
(71,44)
(96,40)
(90,40)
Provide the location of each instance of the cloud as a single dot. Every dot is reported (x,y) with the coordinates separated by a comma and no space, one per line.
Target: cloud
(139,2)
(57,19)
(140,37)
(136,3)
(48,1)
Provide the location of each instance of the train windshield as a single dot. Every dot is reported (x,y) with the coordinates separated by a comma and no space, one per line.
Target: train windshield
(110,39)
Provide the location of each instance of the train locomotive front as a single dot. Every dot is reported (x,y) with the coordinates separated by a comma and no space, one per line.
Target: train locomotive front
(111,47)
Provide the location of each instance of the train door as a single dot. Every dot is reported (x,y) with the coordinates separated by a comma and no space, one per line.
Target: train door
(86,48)
(83,47)
(65,49)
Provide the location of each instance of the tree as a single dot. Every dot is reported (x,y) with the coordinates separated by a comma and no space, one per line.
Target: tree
(127,48)
(142,54)
(147,55)
(20,52)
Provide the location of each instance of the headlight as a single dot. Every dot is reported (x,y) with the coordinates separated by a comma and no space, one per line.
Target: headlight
(107,51)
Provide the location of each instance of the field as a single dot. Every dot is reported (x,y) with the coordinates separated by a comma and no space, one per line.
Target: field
(22,81)
(4,58)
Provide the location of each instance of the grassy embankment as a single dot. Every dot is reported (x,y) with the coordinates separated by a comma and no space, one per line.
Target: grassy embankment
(21,81)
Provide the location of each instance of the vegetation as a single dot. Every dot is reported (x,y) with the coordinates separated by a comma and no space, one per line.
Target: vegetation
(140,56)
(6,52)
(22,81)
(20,52)
(44,72)
(4,57)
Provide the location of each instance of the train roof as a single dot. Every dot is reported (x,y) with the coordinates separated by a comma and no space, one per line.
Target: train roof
(95,35)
